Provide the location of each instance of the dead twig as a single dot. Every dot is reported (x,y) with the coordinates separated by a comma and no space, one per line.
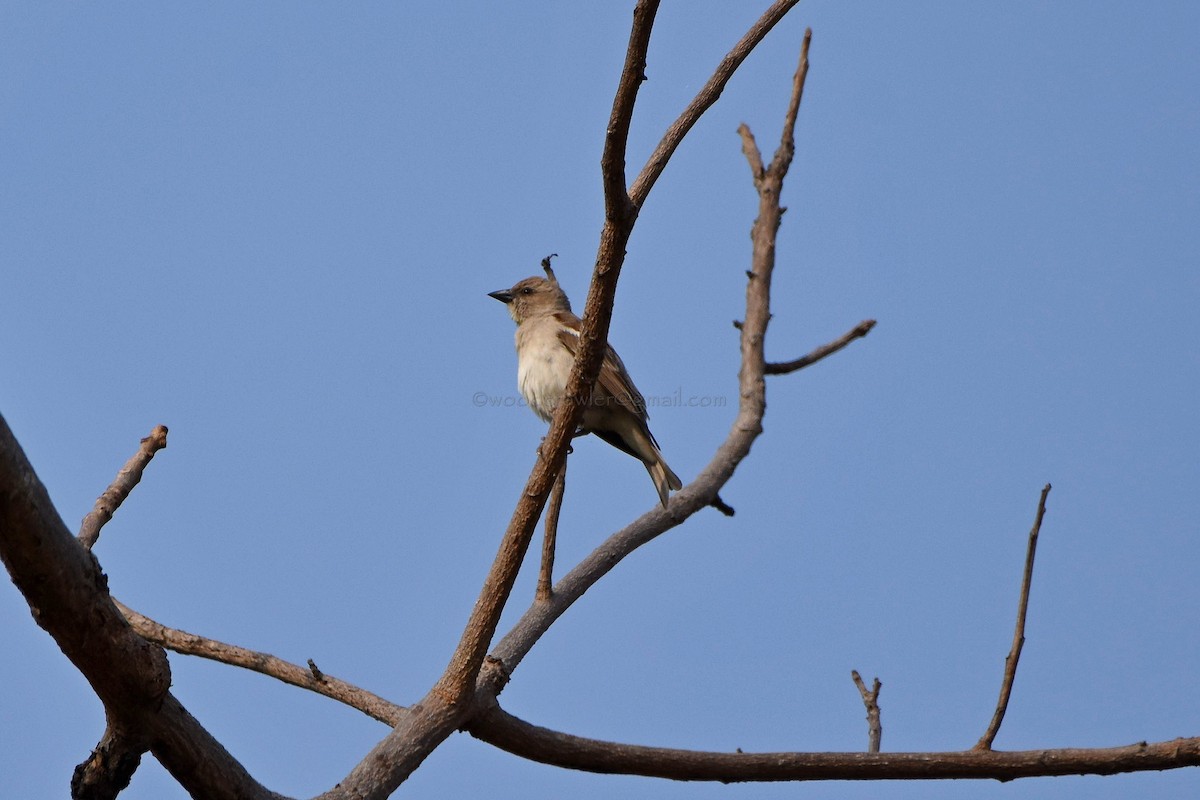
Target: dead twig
(112,497)
(308,677)
(553,509)
(1014,654)
(783,368)
(870,698)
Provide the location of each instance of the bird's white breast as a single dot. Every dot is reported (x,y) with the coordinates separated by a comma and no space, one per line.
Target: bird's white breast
(543,366)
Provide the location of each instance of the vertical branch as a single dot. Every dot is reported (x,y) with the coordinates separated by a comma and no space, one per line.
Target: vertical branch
(448,703)
(459,678)
(769,183)
(704,99)
(546,575)
(870,698)
(1014,654)
(617,203)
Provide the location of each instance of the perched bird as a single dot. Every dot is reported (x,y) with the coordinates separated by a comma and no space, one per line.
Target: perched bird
(547,340)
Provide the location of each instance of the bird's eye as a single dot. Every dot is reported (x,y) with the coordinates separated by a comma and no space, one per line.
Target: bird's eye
(527,290)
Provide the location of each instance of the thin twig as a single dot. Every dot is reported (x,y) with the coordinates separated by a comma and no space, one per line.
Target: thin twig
(704,99)
(860,330)
(309,677)
(112,497)
(1014,654)
(870,698)
(553,508)
(787,138)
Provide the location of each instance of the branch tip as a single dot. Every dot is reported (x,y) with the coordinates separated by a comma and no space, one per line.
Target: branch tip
(783,368)
(127,477)
(721,505)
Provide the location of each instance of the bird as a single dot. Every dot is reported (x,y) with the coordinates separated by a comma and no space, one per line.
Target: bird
(547,339)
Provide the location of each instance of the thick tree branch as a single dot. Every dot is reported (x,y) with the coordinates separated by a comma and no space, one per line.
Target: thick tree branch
(1014,653)
(68,595)
(109,768)
(592,755)
(112,497)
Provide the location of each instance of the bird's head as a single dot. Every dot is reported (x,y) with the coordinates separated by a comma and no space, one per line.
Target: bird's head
(533,297)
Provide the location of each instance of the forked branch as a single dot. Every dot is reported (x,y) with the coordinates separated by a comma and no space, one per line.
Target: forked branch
(870,698)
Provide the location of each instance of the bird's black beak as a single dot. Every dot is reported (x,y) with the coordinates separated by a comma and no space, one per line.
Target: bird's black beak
(504,295)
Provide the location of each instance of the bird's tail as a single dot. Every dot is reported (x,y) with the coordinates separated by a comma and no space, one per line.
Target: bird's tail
(664,479)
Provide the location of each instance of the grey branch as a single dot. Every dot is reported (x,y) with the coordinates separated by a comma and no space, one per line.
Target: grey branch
(870,698)
(112,497)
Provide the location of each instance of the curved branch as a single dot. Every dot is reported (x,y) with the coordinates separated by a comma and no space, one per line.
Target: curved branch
(499,728)
(857,332)
(264,663)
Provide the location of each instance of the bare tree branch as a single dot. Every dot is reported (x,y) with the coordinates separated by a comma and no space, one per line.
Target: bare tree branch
(460,675)
(546,746)
(702,491)
(857,332)
(1014,653)
(546,573)
(618,206)
(68,595)
(870,698)
(114,647)
(447,706)
(109,768)
(112,497)
(264,663)
(704,99)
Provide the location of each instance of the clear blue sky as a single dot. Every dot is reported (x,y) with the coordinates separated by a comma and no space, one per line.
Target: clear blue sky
(272,228)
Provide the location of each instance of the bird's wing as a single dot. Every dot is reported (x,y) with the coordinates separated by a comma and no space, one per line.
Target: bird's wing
(614,380)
